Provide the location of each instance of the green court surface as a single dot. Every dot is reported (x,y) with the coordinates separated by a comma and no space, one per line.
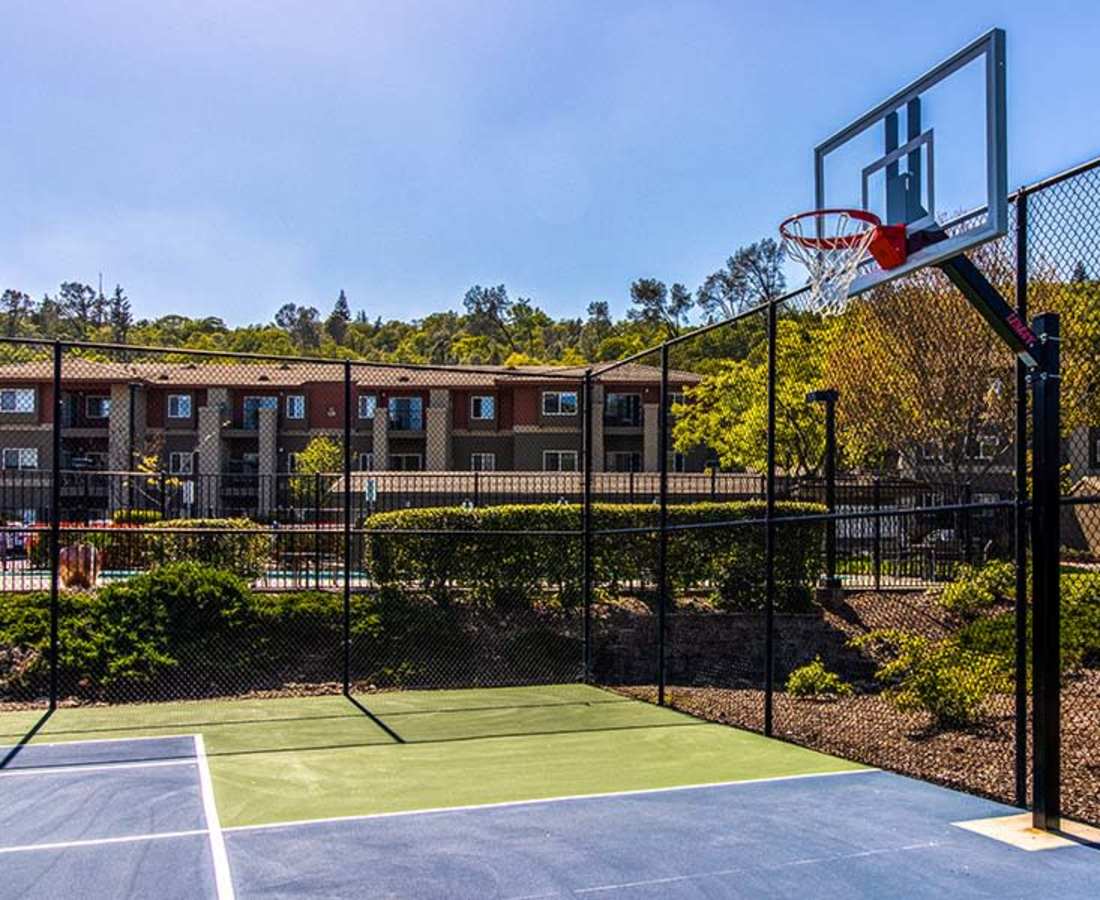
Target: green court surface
(289,759)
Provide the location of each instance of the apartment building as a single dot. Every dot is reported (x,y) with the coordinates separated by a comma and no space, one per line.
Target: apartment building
(245,419)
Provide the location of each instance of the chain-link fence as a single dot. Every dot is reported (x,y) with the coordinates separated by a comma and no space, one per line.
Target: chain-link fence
(816,529)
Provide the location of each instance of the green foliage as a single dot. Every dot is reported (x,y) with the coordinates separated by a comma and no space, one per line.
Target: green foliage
(939,677)
(321,457)
(728,410)
(509,555)
(976,589)
(136,516)
(814,680)
(241,546)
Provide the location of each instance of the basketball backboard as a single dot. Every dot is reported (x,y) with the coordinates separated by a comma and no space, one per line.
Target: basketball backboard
(933,150)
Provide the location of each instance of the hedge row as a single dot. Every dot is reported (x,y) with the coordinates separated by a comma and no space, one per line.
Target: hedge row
(509,555)
(186,630)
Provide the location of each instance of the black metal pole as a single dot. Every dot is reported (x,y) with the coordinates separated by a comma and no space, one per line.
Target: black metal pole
(876,530)
(1045,542)
(829,398)
(316,531)
(769,530)
(347,529)
(55,524)
(586,526)
(1020,513)
(662,524)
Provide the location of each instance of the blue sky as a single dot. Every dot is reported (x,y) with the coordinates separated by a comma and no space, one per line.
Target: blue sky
(222,158)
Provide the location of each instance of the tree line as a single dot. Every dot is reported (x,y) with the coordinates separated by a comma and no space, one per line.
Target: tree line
(488,326)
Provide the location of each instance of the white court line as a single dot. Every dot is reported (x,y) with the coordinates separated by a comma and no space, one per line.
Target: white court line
(62,769)
(115,740)
(95,842)
(720,873)
(222,877)
(564,799)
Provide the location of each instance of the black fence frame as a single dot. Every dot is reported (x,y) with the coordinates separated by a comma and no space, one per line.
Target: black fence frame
(1036,509)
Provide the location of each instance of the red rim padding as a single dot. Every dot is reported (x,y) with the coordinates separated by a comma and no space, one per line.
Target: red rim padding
(887,246)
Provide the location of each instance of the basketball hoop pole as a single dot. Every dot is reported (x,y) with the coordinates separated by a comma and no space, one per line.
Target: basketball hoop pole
(1038,349)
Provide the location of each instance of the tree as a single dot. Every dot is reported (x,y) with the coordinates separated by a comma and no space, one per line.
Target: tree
(727,411)
(302,323)
(321,461)
(656,306)
(119,316)
(753,275)
(490,310)
(1080,273)
(15,306)
(336,325)
(922,379)
(76,301)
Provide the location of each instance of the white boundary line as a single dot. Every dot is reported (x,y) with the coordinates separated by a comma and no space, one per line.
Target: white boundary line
(114,740)
(96,767)
(222,877)
(95,842)
(564,799)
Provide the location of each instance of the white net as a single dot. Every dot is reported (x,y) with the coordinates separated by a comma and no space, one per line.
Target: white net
(832,254)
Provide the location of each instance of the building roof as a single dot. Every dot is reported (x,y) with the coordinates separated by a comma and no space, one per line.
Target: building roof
(226,372)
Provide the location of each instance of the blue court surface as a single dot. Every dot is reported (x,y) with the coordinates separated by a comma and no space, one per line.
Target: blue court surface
(137,818)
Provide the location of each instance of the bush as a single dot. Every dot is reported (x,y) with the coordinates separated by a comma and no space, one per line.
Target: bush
(510,555)
(240,545)
(136,516)
(814,680)
(976,589)
(942,678)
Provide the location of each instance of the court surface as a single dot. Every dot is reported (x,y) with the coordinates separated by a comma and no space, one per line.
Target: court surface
(566,791)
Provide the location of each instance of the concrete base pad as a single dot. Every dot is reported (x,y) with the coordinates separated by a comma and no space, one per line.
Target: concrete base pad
(1017,831)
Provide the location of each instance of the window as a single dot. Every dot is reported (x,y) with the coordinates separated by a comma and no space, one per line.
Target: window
(405,462)
(624,461)
(677,462)
(20,458)
(252,407)
(559,460)
(368,403)
(366,460)
(982,448)
(296,406)
(407,413)
(623,410)
(676,398)
(559,403)
(181,462)
(483,462)
(97,407)
(292,462)
(482,407)
(179,406)
(17,400)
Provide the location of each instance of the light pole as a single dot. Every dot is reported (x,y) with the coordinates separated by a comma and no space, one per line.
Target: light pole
(829,397)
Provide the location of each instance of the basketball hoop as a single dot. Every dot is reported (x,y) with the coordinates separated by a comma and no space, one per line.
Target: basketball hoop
(840,241)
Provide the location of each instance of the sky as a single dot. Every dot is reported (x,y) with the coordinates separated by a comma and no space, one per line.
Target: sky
(221,159)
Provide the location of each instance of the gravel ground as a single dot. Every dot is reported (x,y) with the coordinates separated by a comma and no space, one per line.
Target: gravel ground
(867,729)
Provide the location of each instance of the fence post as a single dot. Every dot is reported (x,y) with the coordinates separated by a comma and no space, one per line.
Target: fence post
(316,530)
(55,522)
(769,531)
(1045,542)
(347,529)
(965,523)
(876,528)
(1020,513)
(662,524)
(586,526)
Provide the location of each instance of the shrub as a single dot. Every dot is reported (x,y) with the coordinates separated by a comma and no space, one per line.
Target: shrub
(814,680)
(136,516)
(239,545)
(940,677)
(508,555)
(976,589)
